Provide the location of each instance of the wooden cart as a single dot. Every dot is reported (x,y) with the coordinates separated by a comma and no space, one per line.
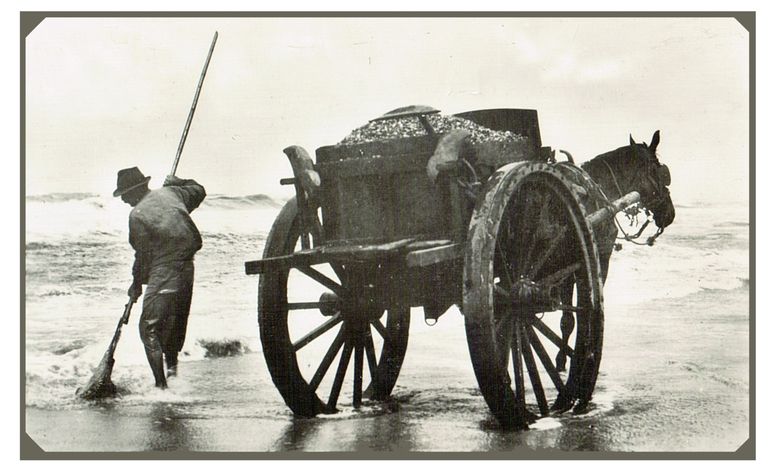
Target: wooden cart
(369,236)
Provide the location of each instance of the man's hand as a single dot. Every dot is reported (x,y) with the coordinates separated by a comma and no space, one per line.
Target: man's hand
(135,291)
(172,181)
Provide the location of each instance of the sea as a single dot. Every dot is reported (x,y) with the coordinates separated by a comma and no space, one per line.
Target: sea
(77,268)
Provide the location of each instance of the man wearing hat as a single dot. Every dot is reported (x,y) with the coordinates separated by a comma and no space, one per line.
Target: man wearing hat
(165,240)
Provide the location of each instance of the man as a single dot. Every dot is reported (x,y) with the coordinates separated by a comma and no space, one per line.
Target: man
(165,240)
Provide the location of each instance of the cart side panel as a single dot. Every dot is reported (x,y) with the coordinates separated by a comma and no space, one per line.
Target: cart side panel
(381,192)
(517,120)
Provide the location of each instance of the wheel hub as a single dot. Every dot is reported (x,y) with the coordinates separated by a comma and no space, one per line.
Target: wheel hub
(534,296)
(354,308)
(329,303)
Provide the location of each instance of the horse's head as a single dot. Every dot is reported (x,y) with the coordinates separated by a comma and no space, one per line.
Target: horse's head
(636,167)
(651,180)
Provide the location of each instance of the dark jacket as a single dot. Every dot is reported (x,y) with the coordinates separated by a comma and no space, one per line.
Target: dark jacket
(163,234)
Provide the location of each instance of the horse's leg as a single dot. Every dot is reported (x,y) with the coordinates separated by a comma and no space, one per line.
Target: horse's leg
(606,248)
(568,318)
(604,262)
(567,325)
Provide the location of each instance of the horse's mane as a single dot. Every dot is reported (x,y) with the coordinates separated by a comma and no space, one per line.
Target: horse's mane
(613,169)
(612,157)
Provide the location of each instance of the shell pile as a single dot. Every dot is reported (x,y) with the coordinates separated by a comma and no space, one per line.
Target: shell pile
(407,127)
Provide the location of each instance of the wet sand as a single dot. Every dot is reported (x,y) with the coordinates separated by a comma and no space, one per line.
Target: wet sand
(674,377)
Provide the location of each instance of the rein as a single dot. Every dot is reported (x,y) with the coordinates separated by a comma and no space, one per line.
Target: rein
(614,179)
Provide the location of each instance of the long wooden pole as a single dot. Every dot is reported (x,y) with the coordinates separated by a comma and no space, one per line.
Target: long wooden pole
(100,384)
(194,104)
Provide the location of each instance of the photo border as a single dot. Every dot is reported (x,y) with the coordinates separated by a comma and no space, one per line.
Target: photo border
(29,450)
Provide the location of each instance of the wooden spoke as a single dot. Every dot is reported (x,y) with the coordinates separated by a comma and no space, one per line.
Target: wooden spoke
(340,376)
(504,331)
(525,237)
(518,370)
(339,270)
(326,362)
(321,279)
(358,373)
(526,265)
(309,337)
(506,267)
(545,255)
(560,275)
(381,329)
(499,328)
(545,359)
(553,337)
(371,356)
(528,246)
(534,376)
(303,306)
(501,291)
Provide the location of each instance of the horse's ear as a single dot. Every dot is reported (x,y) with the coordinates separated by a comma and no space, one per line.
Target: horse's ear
(655,141)
(631,140)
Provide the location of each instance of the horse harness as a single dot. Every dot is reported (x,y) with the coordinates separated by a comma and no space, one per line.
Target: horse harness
(659,177)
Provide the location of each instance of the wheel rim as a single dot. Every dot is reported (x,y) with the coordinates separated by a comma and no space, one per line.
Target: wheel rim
(325,341)
(541,254)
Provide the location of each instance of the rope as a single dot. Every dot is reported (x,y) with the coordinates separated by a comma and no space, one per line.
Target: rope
(470,188)
(614,179)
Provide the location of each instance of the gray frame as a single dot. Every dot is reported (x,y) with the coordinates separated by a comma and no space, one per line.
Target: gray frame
(30,450)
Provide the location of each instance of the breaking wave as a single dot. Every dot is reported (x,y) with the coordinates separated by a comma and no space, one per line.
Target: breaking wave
(92,204)
(62,197)
(247,201)
(60,218)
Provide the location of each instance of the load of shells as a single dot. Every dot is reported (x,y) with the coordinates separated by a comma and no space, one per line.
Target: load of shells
(407,127)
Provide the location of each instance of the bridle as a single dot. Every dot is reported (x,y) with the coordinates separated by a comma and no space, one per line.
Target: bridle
(656,174)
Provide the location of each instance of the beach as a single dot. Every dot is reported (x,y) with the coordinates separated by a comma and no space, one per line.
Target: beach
(653,395)
(674,374)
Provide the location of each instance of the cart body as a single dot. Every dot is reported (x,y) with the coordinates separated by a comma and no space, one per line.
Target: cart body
(378,236)
(377,205)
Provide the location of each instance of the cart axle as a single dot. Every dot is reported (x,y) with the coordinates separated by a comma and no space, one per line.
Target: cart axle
(531,296)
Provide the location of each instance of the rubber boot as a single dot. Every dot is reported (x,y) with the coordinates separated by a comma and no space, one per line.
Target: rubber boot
(171,363)
(156,364)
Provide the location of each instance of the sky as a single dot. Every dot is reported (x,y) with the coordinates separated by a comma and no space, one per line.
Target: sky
(104,93)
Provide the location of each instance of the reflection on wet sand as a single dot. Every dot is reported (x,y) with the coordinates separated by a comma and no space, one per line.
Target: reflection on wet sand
(498,439)
(168,431)
(431,421)
(426,419)
(584,438)
(294,435)
(373,428)
(385,433)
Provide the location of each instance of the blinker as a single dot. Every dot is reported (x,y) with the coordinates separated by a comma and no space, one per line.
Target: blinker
(664,176)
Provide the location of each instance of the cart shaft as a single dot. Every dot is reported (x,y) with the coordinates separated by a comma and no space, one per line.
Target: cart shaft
(608,212)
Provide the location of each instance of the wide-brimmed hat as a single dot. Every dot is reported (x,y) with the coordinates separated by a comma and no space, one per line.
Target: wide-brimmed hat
(129,179)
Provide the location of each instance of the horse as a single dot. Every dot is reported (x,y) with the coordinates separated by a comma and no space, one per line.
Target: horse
(615,173)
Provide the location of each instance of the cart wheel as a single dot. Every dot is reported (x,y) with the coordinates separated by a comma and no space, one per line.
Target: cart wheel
(529,250)
(309,322)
